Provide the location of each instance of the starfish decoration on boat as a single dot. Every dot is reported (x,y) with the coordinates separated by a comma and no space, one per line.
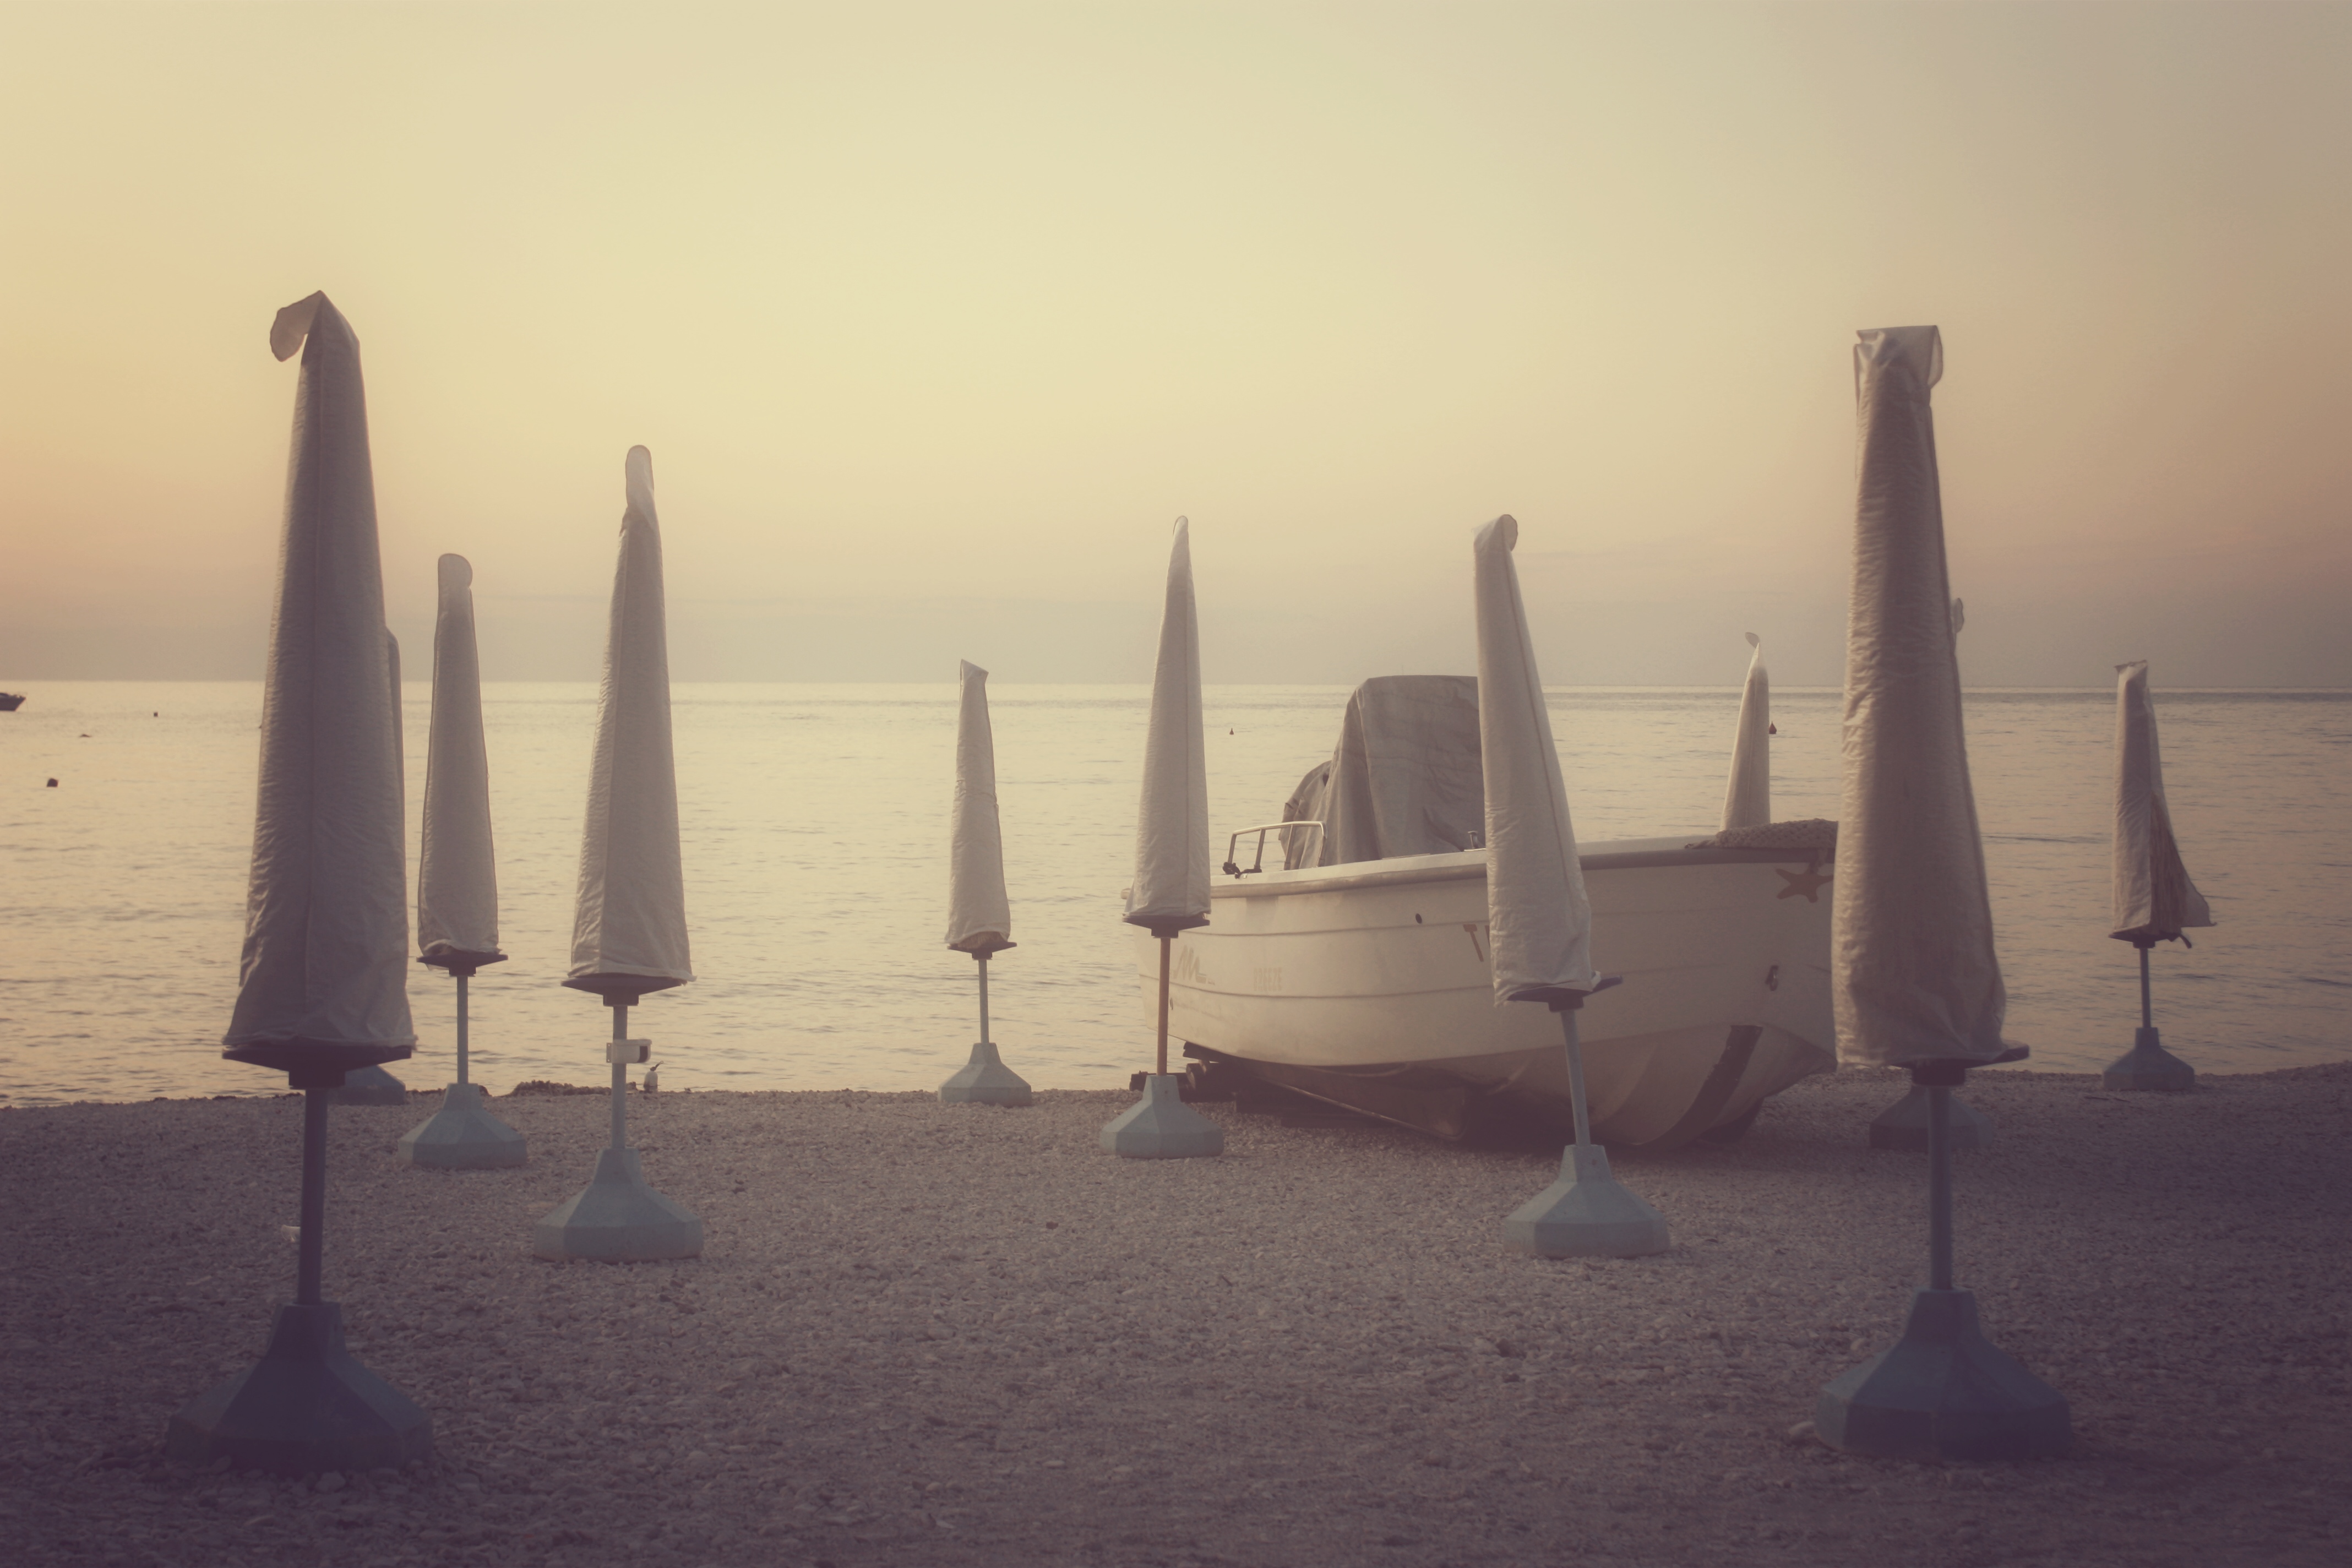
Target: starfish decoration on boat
(1808,881)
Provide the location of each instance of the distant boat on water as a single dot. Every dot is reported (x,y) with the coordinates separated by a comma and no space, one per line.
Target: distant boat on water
(11,701)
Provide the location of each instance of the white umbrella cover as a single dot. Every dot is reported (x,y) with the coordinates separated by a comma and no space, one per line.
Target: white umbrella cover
(1747,797)
(980,917)
(456,872)
(1541,921)
(631,918)
(1172,835)
(2155,899)
(1914,975)
(326,941)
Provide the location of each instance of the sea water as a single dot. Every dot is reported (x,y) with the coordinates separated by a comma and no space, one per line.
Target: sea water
(813,821)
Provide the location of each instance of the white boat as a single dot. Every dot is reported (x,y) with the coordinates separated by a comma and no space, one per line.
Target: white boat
(1365,983)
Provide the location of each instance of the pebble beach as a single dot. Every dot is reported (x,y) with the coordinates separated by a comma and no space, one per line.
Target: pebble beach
(929,1335)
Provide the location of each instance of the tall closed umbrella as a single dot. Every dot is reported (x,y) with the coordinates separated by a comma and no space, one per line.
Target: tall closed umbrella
(1171,893)
(979,915)
(1539,921)
(457,879)
(628,935)
(1914,979)
(323,987)
(1747,796)
(2154,898)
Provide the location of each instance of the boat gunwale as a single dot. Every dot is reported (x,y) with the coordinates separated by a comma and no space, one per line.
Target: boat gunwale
(1463,870)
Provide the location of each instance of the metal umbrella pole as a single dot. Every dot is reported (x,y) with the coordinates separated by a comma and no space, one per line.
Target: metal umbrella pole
(463,1134)
(617,1218)
(1586,1212)
(1943,1391)
(308,1404)
(1160,1126)
(2148,1065)
(986,1080)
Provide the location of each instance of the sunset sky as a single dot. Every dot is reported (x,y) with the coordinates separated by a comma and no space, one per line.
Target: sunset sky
(934,317)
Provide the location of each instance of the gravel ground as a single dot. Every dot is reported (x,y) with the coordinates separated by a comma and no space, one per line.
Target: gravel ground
(924,1335)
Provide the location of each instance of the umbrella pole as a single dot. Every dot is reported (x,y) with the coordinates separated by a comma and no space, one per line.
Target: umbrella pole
(1569,1036)
(463,1135)
(617,1218)
(308,1405)
(620,1078)
(1586,1212)
(1160,1126)
(2148,1065)
(1942,1391)
(1167,943)
(986,1080)
(310,1252)
(1939,1189)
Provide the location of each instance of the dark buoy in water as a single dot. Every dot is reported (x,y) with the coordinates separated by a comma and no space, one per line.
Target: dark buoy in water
(53,783)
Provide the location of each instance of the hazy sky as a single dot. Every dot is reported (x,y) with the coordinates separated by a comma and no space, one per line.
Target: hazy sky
(935,316)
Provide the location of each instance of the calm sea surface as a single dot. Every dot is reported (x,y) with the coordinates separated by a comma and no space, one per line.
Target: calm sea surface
(815,833)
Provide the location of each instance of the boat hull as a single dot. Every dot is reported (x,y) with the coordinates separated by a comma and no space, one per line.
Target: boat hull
(1370,986)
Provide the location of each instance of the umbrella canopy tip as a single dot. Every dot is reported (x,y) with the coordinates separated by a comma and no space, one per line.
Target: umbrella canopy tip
(292,324)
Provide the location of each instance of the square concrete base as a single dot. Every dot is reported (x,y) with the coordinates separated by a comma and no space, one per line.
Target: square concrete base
(370,1086)
(1160,1126)
(1585,1214)
(1943,1392)
(616,1219)
(1904,1125)
(307,1406)
(986,1080)
(2148,1065)
(463,1135)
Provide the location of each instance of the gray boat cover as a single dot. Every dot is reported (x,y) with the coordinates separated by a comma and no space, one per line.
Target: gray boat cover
(1403,780)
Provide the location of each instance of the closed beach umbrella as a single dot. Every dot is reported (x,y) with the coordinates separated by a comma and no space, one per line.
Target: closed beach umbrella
(629,925)
(1747,797)
(324,975)
(456,871)
(628,931)
(456,880)
(1170,892)
(1539,921)
(979,916)
(2154,898)
(1172,825)
(322,989)
(1913,975)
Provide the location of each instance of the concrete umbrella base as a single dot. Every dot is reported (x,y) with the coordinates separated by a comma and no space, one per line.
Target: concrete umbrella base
(1904,1125)
(1943,1392)
(1160,1126)
(463,1135)
(617,1218)
(2148,1065)
(1585,1214)
(307,1406)
(370,1086)
(986,1080)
